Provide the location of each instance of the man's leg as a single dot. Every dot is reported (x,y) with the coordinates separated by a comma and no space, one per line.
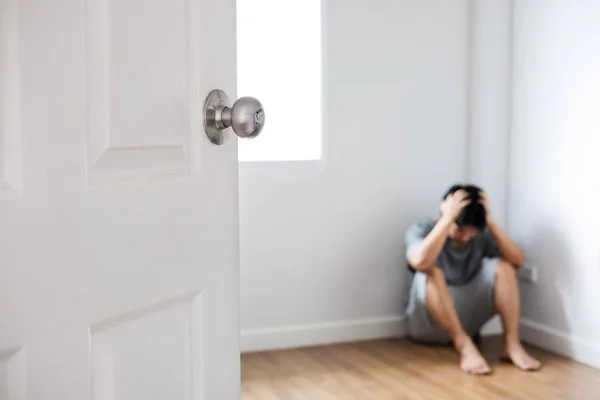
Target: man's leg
(508,304)
(441,307)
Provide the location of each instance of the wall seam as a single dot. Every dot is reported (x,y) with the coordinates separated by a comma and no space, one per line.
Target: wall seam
(509,108)
(469,92)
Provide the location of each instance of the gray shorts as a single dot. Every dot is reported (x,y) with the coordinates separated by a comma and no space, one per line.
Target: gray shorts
(474,304)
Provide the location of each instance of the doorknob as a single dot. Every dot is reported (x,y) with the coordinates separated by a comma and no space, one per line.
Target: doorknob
(246,117)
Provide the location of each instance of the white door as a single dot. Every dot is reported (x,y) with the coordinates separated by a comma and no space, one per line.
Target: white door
(118,218)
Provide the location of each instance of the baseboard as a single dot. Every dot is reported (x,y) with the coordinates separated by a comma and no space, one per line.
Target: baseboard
(561,343)
(320,334)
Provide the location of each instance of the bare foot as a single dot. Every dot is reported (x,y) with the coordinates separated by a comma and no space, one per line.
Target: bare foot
(471,360)
(519,356)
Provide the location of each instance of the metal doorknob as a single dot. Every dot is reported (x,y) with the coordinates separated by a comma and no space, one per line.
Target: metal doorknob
(246,117)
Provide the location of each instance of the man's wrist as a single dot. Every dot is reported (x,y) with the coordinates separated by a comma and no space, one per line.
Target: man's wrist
(446,220)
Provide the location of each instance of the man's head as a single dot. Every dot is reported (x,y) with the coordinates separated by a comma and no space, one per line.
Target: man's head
(472,219)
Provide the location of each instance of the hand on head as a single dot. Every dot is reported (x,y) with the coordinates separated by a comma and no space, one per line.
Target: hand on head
(459,197)
(466,205)
(454,203)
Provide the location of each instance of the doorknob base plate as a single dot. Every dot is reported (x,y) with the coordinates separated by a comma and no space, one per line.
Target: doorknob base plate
(215,102)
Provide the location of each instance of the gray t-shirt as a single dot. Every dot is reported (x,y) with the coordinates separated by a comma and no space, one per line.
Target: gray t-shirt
(460,264)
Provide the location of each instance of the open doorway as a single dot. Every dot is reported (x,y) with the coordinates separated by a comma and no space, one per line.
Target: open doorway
(415,97)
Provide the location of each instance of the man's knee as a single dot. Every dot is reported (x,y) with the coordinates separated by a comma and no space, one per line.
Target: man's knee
(434,284)
(504,268)
(434,275)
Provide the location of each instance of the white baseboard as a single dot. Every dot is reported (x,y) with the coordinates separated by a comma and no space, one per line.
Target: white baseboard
(532,332)
(320,334)
(561,343)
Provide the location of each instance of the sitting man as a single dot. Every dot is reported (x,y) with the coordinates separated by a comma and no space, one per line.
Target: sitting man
(464,271)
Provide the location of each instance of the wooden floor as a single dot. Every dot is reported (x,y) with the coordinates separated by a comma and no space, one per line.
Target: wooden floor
(399,369)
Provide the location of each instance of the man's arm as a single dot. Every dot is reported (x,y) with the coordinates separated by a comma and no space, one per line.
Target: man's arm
(425,253)
(509,250)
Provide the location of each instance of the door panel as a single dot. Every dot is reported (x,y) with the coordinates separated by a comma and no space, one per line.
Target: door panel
(169,333)
(118,218)
(139,80)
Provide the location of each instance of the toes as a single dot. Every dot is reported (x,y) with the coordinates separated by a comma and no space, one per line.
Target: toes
(485,371)
(533,365)
(529,364)
(482,369)
(521,359)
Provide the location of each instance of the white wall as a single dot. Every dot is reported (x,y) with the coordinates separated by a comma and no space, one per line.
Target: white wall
(554,191)
(321,242)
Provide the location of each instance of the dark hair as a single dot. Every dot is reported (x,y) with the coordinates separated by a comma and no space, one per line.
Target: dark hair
(473,214)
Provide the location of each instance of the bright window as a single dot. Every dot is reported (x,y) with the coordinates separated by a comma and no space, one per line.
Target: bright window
(279,62)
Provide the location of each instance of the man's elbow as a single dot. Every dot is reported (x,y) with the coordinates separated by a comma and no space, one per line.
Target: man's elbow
(519,261)
(418,263)
(421,267)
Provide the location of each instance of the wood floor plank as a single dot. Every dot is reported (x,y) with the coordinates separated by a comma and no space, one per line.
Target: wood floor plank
(402,370)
